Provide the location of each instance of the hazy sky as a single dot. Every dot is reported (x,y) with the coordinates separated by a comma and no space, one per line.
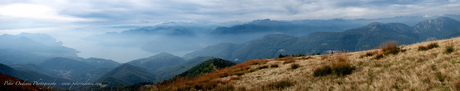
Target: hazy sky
(55,16)
(81,12)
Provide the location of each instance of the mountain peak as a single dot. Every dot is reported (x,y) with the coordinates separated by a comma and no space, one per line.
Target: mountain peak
(438,21)
(163,54)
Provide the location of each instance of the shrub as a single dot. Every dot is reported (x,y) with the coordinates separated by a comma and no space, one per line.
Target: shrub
(262,67)
(295,66)
(274,66)
(281,56)
(391,47)
(422,48)
(378,56)
(367,54)
(342,57)
(433,45)
(280,85)
(322,71)
(449,49)
(342,68)
(318,53)
(339,69)
(429,46)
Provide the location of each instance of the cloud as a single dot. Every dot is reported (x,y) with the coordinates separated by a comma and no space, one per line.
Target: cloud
(36,12)
(129,11)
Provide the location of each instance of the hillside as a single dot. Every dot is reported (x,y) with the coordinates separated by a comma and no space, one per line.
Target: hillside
(420,66)
(157,62)
(12,87)
(206,67)
(32,76)
(172,71)
(126,74)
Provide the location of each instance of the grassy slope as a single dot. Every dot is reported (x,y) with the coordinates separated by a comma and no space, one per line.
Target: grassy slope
(412,70)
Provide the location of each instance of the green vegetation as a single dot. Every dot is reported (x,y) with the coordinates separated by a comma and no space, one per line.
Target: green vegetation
(206,67)
(262,67)
(292,55)
(378,56)
(280,85)
(322,71)
(339,69)
(295,66)
(342,68)
(422,48)
(368,54)
(274,66)
(433,45)
(449,49)
(428,47)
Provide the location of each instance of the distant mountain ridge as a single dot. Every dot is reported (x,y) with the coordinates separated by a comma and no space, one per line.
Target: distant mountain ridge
(157,62)
(32,76)
(362,38)
(37,48)
(206,67)
(127,74)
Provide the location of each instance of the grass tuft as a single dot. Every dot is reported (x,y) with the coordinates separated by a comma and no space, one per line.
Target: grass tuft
(295,66)
(322,71)
(262,67)
(449,49)
(378,56)
(429,46)
(274,66)
(433,45)
(391,47)
(342,68)
(368,54)
(338,68)
(280,85)
(422,48)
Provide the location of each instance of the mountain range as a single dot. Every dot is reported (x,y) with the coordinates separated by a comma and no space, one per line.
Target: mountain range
(362,38)
(25,55)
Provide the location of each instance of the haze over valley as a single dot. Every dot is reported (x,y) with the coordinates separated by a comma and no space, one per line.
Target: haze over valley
(152,45)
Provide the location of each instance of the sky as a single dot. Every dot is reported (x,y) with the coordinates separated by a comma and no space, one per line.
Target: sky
(85,17)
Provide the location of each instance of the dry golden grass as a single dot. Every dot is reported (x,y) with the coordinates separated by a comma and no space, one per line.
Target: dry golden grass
(410,70)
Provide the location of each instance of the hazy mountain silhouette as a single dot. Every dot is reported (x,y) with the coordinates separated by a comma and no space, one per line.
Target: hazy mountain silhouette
(206,67)
(32,76)
(157,62)
(31,48)
(127,74)
(362,38)
(172,71)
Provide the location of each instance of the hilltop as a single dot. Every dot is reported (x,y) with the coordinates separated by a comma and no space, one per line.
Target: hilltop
(432,65)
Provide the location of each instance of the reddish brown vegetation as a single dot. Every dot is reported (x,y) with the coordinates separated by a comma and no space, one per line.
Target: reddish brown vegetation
(209,81)
(288,60)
